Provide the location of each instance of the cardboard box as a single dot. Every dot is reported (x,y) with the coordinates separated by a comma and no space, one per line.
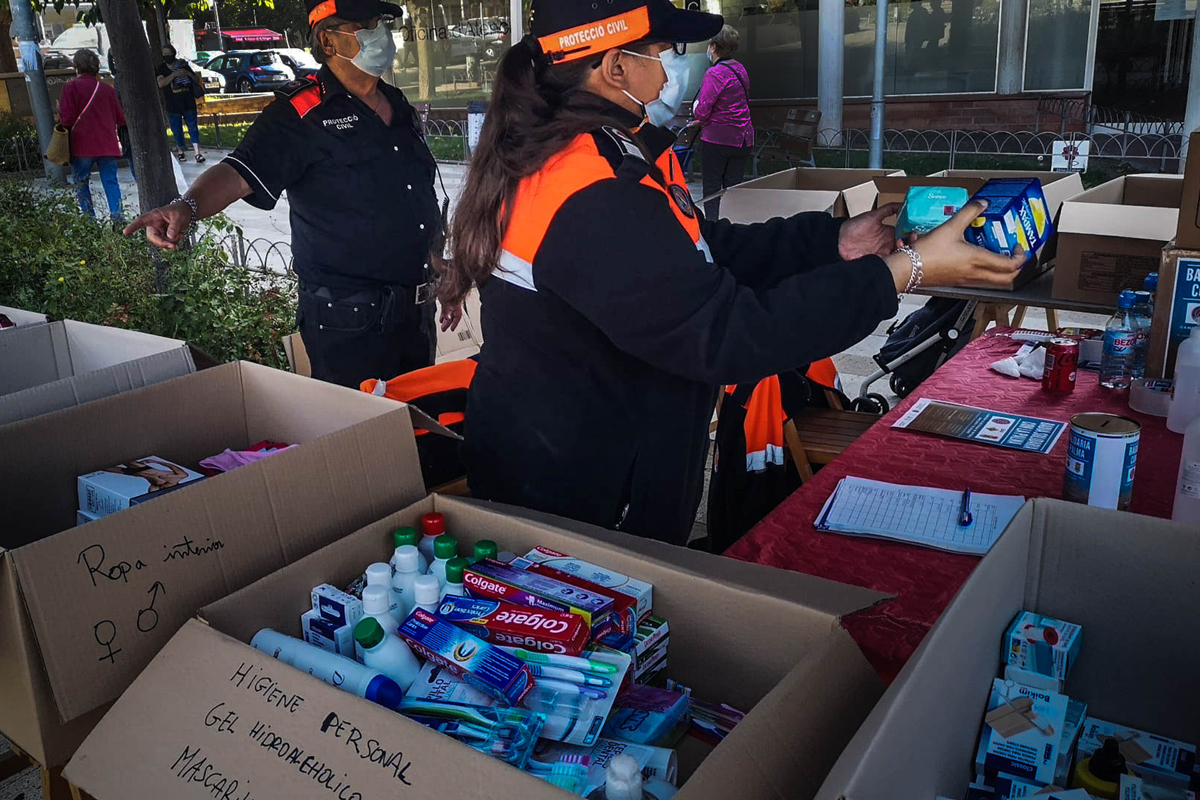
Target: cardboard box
(1187,232)
(48,367)
(1128,580)
(841,192)
(22,317)
(762,640)
(83,610)
(1111,237)
(1176,307)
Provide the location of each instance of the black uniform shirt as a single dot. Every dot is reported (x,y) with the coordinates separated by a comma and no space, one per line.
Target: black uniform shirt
(363,208)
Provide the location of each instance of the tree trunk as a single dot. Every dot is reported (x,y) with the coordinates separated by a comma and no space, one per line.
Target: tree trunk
(8,59)
(160,22)
(155,36)
(139,94)
(426,83)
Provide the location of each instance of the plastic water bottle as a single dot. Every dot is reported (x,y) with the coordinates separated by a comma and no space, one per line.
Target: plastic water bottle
(380,574)
(1143,312)
(444,549)
(377,604)
(407,561)
(1187,485)
(623,781)
(409,535)
(427,592)
(1120,342)
(455,568)
(433,525)
(386,652)
(1151,286)
(1185,402)
(344,673)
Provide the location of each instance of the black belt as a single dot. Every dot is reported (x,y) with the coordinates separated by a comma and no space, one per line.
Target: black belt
(387,295)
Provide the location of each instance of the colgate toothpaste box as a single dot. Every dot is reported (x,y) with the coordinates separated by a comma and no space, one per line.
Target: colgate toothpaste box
(640,591)
(539,630)
(494,580)
(621,626)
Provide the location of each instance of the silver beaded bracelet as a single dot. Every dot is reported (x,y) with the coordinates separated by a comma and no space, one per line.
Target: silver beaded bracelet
(190,202)
(918,268)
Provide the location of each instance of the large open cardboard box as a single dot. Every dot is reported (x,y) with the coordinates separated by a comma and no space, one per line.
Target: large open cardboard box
(792,191)
(1130,581)
(1111,237)
(20,316)
(751,636)
(84,609)
(47,367)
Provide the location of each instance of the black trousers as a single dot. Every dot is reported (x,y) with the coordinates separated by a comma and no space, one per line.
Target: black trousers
(353,336)
(721,166)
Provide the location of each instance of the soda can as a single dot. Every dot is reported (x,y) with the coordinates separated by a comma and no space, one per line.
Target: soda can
(1101,459)
(1062,360)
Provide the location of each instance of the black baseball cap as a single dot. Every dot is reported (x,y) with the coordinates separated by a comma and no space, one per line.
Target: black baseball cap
(571,29)
(350,10)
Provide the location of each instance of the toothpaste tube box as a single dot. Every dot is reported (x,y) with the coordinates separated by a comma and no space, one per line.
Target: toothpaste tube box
(435,682)
(622,623)
(1017,216)
(646,715)
(484,666)
(927,207)
(328,635)
(1043,645)
(1033,720)
(1072,727)
(533,629)
(650,633)
(108,491)
(1159,761)
(493,580)
(609,579)
(336,606)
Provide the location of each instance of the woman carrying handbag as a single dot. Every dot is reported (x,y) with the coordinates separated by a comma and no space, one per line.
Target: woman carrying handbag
(723,109)
(90,111)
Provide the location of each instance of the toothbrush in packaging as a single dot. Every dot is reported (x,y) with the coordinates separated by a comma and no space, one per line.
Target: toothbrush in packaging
(507,734)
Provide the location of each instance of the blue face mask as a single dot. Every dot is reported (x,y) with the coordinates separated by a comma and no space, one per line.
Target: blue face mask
(663,108)
(376,49)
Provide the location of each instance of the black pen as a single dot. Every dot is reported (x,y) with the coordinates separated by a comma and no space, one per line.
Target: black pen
(964,512)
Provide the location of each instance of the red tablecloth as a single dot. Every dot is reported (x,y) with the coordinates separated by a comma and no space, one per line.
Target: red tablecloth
(924,580)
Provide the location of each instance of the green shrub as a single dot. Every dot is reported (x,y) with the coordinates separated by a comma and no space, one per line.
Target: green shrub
(59,262)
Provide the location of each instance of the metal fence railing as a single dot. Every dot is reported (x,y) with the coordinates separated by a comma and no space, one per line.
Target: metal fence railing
(1100,119)
(257,255)
(20,154)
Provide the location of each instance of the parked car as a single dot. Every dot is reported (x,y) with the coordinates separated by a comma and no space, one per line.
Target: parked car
(205,56)
(252,71)
(213,81)
(300,61)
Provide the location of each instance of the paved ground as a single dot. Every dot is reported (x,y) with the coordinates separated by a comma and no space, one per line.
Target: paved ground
(272,226)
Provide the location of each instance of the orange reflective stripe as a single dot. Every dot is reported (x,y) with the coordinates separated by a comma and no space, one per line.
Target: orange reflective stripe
(410,387)
(542,194)
(596,37)
(326,9)
(307,98)
(765,416)
(825,373)
(451,418)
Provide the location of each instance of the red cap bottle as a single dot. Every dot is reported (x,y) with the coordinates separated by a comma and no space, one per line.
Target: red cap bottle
(433,524)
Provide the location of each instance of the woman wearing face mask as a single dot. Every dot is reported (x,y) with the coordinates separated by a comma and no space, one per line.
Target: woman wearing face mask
(612,309)
(365,220)
(723,109)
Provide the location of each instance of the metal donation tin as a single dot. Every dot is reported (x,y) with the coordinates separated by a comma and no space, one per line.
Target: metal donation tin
(1101,457)
(1062,359)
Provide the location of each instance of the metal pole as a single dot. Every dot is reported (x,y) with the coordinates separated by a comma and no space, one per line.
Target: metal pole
(1191,118)
(831,69)
(877,104)
(516,21)
(217,22)
(25,27)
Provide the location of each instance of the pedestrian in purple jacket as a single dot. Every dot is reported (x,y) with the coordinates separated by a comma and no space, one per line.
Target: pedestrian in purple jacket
(723,109)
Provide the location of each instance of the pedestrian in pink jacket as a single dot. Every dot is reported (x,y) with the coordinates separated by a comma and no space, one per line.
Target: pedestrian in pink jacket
(723,109)
(90,109)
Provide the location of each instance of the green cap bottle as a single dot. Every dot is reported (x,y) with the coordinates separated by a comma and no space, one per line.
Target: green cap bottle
(369,633)
(445,547)
(485,548)
(455,568)
(405,535)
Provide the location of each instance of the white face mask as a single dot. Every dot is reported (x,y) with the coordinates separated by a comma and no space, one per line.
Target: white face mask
(376,49)
(661,109)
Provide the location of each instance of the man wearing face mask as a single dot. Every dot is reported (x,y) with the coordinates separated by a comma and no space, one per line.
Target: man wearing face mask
(349,150)
(613,309)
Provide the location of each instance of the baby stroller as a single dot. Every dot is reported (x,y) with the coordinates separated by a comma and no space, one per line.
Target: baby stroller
(917,346)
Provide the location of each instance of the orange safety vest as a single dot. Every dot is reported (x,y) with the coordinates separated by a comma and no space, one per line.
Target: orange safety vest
(439,391)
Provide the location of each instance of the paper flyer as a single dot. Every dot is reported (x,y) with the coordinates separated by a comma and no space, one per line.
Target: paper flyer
(1016,432)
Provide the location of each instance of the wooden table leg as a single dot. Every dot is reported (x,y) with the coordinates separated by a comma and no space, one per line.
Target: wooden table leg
(1051,319)
(982,318)
(1019,317)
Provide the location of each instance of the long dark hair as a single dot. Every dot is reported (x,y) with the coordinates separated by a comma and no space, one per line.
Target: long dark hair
(536,111)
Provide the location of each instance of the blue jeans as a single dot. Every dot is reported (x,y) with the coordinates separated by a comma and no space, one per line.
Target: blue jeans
(177,121)
(81,172)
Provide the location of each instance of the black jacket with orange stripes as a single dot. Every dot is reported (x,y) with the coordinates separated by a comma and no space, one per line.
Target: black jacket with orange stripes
(614,315)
